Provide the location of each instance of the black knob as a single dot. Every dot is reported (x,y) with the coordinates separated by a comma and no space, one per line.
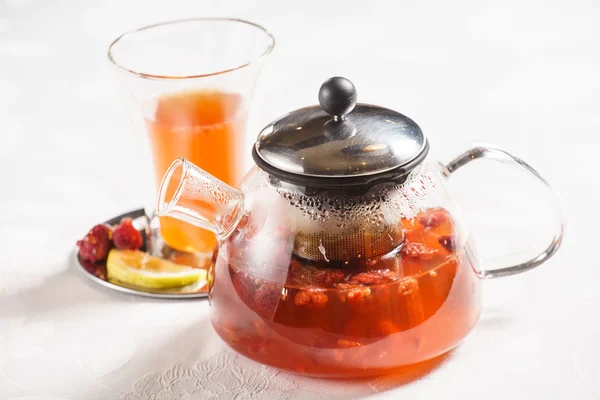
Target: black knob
(337,96)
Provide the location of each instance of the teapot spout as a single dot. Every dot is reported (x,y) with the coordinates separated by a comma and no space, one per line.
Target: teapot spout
(192,195)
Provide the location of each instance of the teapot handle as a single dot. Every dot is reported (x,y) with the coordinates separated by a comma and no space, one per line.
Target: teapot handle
(497,154)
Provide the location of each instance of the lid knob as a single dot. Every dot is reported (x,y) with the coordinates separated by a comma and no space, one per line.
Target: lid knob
(337,96)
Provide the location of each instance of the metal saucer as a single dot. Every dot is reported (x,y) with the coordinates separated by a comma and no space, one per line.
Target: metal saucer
(97,272)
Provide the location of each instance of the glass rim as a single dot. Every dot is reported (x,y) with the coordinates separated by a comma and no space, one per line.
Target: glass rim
(164,205)
(267,51)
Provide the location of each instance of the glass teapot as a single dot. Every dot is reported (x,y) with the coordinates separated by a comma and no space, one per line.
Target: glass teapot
(342,254)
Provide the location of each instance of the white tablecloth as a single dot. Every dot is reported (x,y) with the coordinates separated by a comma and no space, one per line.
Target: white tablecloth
(523,74)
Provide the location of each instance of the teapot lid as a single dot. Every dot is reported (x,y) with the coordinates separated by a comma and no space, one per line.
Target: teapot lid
(340,143)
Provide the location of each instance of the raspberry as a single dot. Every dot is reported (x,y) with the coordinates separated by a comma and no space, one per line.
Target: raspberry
(96,244)
(126,237)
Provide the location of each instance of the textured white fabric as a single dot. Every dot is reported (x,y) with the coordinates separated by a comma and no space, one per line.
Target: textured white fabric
(521,74)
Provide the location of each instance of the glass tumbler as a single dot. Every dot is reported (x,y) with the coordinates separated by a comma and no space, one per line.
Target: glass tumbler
(191,83)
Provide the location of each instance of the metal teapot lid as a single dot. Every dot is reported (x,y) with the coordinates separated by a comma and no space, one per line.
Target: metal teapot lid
(340,143)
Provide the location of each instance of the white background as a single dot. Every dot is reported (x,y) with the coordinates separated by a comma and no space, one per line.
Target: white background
(522,74)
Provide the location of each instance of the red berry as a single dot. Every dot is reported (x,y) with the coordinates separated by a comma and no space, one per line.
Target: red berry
(311,298)
(329,277)
(352,294)
(96,244)
(302,275)
(374,277)
(126,237)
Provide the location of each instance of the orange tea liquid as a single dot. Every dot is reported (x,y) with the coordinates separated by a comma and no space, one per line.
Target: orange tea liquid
(408,306)
(206,127)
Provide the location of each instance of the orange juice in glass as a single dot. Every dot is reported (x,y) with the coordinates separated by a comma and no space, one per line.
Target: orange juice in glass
(206,127)
(192,82)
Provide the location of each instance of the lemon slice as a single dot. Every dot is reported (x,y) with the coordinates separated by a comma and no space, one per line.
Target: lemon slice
(140,269)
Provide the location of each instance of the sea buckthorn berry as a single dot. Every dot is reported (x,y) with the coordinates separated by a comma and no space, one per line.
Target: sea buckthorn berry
(311,298)
(353,294)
